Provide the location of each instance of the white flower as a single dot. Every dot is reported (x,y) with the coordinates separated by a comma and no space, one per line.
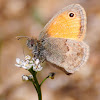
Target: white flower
(19,62)
(24,78)
(37,68)
(37,61)
(18,65)
(30,77)
(33,59)
(29,63)
(26,65)
(27,57)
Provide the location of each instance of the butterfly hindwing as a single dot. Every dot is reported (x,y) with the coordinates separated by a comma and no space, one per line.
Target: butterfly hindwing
(65,53)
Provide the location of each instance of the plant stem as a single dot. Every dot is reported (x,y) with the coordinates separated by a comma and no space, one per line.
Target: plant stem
(44,80)
(36,84)
(38,88)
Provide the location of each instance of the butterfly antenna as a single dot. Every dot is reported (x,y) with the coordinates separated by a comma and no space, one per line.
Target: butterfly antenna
(20,37)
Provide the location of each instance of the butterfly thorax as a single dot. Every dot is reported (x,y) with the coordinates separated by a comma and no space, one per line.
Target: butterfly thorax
(36,47)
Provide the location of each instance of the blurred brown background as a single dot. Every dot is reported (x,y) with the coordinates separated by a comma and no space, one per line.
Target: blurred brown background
(28,17)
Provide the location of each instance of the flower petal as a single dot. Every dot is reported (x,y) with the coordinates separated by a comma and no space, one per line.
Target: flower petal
(27,57)
(34,68)
(30,77)
(33,59)
(26,66)
(39,66)
(37,61)
(30,62)
(24,78)
(18,65)
(18,60)
(39,69)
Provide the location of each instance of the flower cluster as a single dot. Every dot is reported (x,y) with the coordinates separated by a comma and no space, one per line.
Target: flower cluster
(28,63)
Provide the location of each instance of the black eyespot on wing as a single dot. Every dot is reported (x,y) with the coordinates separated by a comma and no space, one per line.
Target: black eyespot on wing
(71,14)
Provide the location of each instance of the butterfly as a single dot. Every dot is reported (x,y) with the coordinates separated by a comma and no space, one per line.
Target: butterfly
(61,40)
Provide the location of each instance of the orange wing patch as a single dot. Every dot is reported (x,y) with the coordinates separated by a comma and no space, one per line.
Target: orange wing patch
(65,26)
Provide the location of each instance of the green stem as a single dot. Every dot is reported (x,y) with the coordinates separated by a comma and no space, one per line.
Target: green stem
(44,80)
(36,84)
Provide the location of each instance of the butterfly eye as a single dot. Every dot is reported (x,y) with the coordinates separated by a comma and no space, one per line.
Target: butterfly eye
(31,45)
(71,14)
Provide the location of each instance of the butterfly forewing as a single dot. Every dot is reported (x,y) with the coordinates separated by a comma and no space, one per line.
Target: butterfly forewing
(64,25)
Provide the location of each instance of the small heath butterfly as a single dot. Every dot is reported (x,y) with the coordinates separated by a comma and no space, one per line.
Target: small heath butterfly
(61,40)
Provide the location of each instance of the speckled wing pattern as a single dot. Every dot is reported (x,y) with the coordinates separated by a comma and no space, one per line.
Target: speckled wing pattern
(65,53)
